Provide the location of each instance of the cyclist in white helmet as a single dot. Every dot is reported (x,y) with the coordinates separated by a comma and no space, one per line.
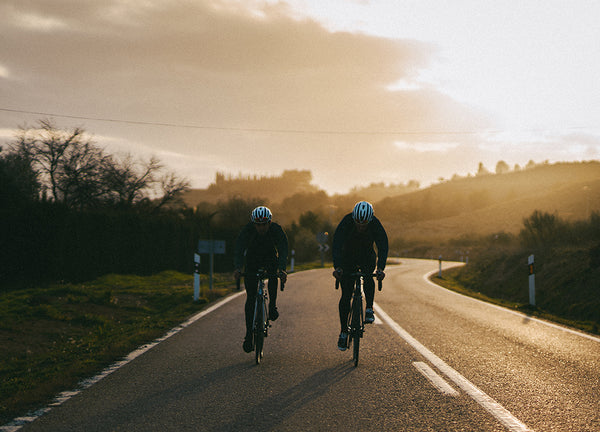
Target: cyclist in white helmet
(353,247)
(263,244)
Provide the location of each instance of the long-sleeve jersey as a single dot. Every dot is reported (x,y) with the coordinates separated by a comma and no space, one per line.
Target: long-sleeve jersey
(351,246)
(261,250)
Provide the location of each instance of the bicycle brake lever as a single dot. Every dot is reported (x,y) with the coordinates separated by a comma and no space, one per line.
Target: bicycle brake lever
(379,285)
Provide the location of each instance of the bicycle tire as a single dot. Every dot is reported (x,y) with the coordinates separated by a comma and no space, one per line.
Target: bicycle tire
(356,326)
(349,330)
(356,337)
(259,331)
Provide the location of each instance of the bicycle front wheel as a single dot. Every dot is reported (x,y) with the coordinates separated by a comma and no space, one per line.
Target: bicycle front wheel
(259,331)
(356,350)
(356,328)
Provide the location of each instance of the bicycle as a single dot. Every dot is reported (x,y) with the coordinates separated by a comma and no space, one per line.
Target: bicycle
(356,318)
(260,321)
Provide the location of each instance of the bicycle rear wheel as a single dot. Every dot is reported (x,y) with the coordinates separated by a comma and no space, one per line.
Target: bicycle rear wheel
(259,330)
(356,339)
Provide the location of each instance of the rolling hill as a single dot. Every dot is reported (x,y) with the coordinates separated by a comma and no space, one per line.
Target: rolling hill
(474,205)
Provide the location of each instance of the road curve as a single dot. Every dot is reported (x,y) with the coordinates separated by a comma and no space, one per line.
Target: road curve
(434,361)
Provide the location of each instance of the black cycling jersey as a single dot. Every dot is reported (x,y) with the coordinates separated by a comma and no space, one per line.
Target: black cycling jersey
(269,250)
(352,247)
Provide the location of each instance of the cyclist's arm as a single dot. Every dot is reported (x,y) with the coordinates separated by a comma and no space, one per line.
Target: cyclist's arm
(241,244)
(339,238)
(381,241)
(282,246)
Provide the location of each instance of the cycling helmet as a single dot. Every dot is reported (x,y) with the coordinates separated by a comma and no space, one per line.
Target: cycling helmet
(363,212)
(261,215)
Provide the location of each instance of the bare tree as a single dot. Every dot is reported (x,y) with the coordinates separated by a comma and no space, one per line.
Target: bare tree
(129,181)
(70,168)
(67,163)
(171,187)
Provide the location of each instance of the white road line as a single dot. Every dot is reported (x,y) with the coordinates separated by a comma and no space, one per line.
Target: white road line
(502,414)
(437,381)
(19,422)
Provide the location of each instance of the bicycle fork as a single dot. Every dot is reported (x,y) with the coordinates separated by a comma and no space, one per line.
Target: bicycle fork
(261,311)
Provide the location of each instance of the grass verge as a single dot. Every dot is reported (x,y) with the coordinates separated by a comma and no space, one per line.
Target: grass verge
(449,281)
(53,337)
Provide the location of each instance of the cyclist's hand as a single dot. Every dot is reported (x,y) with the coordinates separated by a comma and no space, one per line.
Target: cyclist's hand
(380,275)
(338,273)
(237,274)
(282,275)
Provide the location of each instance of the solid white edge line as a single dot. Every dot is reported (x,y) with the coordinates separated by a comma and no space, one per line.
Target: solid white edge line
(493,407)
(519,314)
(437,381)
(61,398)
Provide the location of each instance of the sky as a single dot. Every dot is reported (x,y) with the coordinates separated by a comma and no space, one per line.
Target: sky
(356,91)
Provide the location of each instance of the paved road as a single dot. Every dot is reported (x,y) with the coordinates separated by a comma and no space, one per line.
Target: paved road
(437,361)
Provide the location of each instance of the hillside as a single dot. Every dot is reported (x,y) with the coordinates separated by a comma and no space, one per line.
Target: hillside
(494,203)
(475,205)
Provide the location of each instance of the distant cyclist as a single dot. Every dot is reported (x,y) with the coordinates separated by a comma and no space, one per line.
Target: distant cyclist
(264,244)
(353,247)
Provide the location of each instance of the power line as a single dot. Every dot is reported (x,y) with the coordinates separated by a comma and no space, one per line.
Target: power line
(282,131)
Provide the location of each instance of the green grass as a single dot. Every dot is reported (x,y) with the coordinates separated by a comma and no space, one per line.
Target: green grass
(54,336)
(567,284)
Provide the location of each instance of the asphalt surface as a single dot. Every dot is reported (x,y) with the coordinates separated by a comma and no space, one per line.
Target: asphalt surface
(434,361)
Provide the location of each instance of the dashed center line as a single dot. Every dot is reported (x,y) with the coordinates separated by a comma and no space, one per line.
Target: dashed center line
(498,411)
(437,381)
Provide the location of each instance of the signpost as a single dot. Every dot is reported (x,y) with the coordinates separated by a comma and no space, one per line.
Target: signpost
(293,260)
(531,280)
(210,247)
(322,238)
(196,277)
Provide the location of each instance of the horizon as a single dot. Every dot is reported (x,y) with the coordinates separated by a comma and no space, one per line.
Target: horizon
(356,92)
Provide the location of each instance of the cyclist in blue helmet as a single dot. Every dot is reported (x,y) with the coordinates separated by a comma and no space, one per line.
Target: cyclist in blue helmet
(263,244)
(353,247)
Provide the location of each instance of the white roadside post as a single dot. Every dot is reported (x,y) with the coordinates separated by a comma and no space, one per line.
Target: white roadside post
(196,277)
(292,261)
(440,270)
(531,281)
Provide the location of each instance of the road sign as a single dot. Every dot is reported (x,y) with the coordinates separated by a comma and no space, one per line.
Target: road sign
(322,237)
(211,246)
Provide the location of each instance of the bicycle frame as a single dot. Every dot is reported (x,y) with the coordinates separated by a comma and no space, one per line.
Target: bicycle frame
(260,321)
(260,324)
(356,317)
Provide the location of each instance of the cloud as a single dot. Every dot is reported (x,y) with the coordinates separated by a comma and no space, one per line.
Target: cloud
(265,90)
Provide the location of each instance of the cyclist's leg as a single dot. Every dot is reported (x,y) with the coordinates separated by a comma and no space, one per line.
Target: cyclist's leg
(347,284)
(369,285)
(344,311)
(369,290)
(272,288)
(250,283)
